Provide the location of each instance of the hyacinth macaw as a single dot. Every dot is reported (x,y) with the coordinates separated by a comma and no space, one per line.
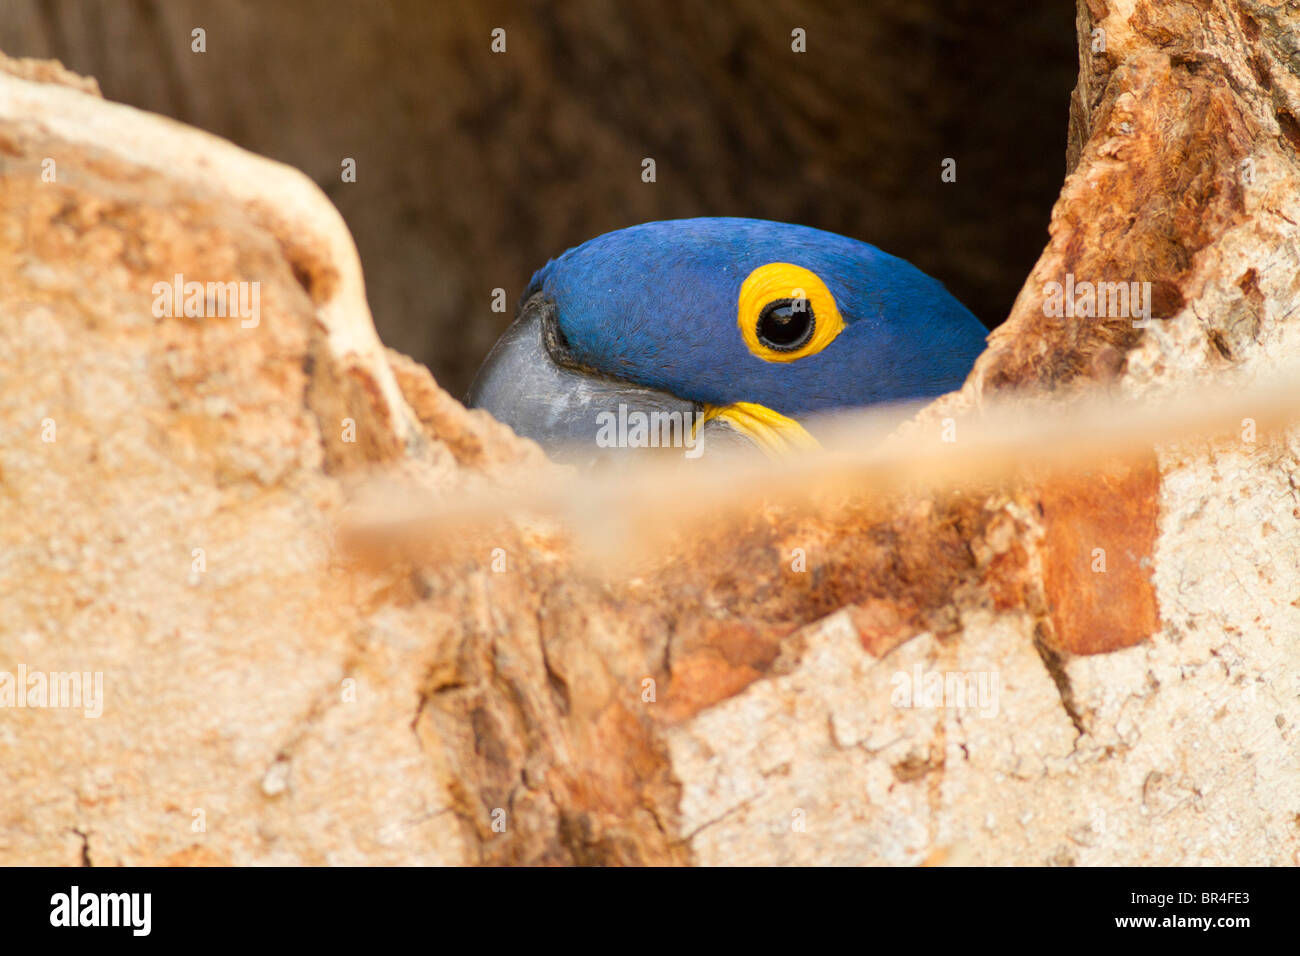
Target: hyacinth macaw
(741,323)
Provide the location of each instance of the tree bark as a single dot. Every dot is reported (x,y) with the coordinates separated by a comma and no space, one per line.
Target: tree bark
(496,698)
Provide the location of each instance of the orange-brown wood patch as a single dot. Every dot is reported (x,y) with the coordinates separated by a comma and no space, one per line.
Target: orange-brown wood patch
(1097,556)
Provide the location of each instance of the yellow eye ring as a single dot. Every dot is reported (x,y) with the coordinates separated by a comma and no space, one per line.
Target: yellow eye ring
(772,318)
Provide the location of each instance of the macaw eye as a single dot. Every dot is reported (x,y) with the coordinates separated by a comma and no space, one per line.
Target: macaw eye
(786,324)
(786,313)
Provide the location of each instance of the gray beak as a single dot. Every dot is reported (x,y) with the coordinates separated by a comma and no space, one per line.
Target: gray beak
(531,381)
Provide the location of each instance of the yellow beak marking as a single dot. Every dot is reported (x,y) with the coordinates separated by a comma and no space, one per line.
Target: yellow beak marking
(777,435)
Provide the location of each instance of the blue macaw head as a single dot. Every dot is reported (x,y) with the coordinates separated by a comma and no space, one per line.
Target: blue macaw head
(752,324)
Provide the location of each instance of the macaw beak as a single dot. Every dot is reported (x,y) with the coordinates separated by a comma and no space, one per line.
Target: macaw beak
(531,382)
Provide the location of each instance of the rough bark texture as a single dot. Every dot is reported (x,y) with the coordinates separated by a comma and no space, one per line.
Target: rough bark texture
(322,703)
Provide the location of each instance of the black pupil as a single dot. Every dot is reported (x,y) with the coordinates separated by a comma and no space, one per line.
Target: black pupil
(785,324)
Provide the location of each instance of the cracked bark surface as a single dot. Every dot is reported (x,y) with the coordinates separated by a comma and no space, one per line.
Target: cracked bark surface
(327,700)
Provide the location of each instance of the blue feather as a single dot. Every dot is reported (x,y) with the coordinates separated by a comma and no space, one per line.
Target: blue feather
(656,304)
